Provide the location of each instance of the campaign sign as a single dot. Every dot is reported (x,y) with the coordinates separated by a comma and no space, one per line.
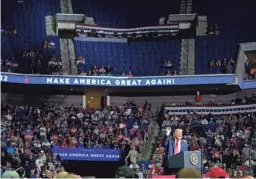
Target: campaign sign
(113,81)
(87,154)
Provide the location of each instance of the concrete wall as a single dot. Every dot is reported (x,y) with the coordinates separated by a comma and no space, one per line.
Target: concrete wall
(156,101)
(18,99)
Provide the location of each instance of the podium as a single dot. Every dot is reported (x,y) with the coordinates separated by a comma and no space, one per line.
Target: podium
(185,159)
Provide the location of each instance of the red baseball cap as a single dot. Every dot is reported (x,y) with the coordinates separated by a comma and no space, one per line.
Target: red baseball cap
(217,172)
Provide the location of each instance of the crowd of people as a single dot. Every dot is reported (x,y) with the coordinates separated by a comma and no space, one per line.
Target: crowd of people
(213,30)
(110,71)
(97,70)
(10,31)
(169,69)
(227,141)
(41,61)
(28,133)
(226,66)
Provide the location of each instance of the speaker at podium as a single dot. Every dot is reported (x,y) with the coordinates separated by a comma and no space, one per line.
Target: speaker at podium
(185,159)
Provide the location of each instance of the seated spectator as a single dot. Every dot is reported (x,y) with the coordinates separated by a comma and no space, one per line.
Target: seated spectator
(109,69)
(168,73)
(216,29)
(230,68)
(175,73)
(45,44)
(218,63)
(10,64)
(51,44)
(162,21)
(210,30)
(102,70)
(213,30)
(10,30)
(212,63)
(168,65)
(232,61)
(129,74)
(95,70)
(54,66)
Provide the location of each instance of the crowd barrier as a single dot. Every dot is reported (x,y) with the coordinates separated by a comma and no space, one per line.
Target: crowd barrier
(113,81)
(214,110)
(249,84)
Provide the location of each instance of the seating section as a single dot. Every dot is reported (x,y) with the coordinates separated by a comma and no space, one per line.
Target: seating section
(141,58)
(213,48)
(29,20)
(236,23)
(6,47)
(130,13)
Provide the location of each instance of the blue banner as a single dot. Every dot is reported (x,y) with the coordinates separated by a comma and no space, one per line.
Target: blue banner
(250,84)
(116,81)
(88,154)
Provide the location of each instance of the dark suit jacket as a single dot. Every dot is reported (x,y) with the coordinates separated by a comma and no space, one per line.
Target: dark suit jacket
(170,143)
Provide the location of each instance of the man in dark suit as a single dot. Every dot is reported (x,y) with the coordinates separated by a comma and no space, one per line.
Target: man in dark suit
(175,144)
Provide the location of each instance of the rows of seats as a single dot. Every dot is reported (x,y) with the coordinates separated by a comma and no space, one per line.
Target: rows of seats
(130,13)
(6,47)
(29,20)
(142,58)
(236,22)
(213,48)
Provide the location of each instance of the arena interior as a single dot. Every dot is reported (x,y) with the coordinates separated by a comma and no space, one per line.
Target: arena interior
(103,89)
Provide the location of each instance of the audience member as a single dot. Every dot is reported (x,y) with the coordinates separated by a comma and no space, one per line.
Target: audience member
(224,66)
(213,30)
(250,70)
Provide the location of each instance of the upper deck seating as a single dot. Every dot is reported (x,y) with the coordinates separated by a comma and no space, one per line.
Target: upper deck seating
(29,20)
(236,23)
(141,58)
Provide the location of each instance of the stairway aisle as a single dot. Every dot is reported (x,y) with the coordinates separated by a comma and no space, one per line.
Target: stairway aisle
(187,56)
(148,146)
(67,45)
(72,56)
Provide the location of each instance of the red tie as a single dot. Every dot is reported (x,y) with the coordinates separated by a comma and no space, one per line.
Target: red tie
(176,149)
